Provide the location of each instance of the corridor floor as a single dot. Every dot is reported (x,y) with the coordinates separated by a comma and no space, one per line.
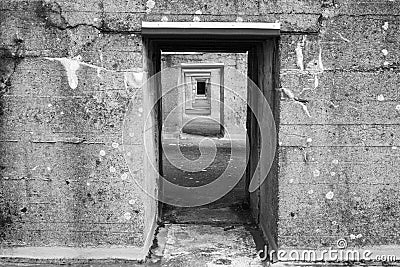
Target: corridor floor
(207,236)
(218,234)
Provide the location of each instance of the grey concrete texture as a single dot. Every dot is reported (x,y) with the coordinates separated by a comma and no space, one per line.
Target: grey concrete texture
(353,126)
(207,236)
(205,245)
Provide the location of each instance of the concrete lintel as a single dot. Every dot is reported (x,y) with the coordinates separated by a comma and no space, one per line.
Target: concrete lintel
(243,30)
(201,66)
(76,253)
(212,25)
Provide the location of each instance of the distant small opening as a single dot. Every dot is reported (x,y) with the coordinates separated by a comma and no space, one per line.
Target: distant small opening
(201,88)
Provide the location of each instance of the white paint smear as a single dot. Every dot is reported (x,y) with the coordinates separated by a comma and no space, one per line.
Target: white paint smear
(320,65)
(71,65)
(133,79)
(300,58)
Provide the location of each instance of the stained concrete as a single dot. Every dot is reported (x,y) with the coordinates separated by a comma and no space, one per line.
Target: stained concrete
(46,122)
(205,245)
(207,236)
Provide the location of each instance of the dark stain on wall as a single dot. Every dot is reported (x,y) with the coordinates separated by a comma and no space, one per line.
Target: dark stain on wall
(51,14)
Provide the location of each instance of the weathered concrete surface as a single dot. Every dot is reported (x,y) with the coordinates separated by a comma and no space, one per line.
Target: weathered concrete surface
(207,236)
(205,245)
(339,136)
(340,58)
(64,180)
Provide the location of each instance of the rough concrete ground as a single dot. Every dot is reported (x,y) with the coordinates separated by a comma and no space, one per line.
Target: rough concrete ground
(228,151)
(207,236)
(219,234)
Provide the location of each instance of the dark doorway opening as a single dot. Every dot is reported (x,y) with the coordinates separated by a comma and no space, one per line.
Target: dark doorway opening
(262,49)
(201,88)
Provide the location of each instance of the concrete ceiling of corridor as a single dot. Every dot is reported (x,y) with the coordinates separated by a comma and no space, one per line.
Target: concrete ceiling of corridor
(213,36)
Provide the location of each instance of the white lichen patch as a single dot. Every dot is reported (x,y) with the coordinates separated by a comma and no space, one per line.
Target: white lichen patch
(102,153)
(124,176)
(112,169)
(380,98)
(329,195)
(385,26)
(150,4)
(385,52)
(127,216)
(115,145)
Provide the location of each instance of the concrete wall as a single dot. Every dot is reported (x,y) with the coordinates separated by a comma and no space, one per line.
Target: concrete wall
(64,181)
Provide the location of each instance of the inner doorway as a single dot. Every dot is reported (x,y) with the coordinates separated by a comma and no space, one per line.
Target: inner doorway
(259,41)
(205,96)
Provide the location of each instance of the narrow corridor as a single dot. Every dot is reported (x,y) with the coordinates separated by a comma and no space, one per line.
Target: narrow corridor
(221,233)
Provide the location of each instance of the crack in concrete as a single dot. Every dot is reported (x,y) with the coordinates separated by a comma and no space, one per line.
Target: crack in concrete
(46,9)
(15,58)
(302,102)
(395,66)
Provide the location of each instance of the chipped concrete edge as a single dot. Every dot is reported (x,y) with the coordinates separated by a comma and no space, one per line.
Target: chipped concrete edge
(58,253)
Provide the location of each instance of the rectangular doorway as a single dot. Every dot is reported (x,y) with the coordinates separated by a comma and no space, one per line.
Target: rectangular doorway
(260,42)
(205,97)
